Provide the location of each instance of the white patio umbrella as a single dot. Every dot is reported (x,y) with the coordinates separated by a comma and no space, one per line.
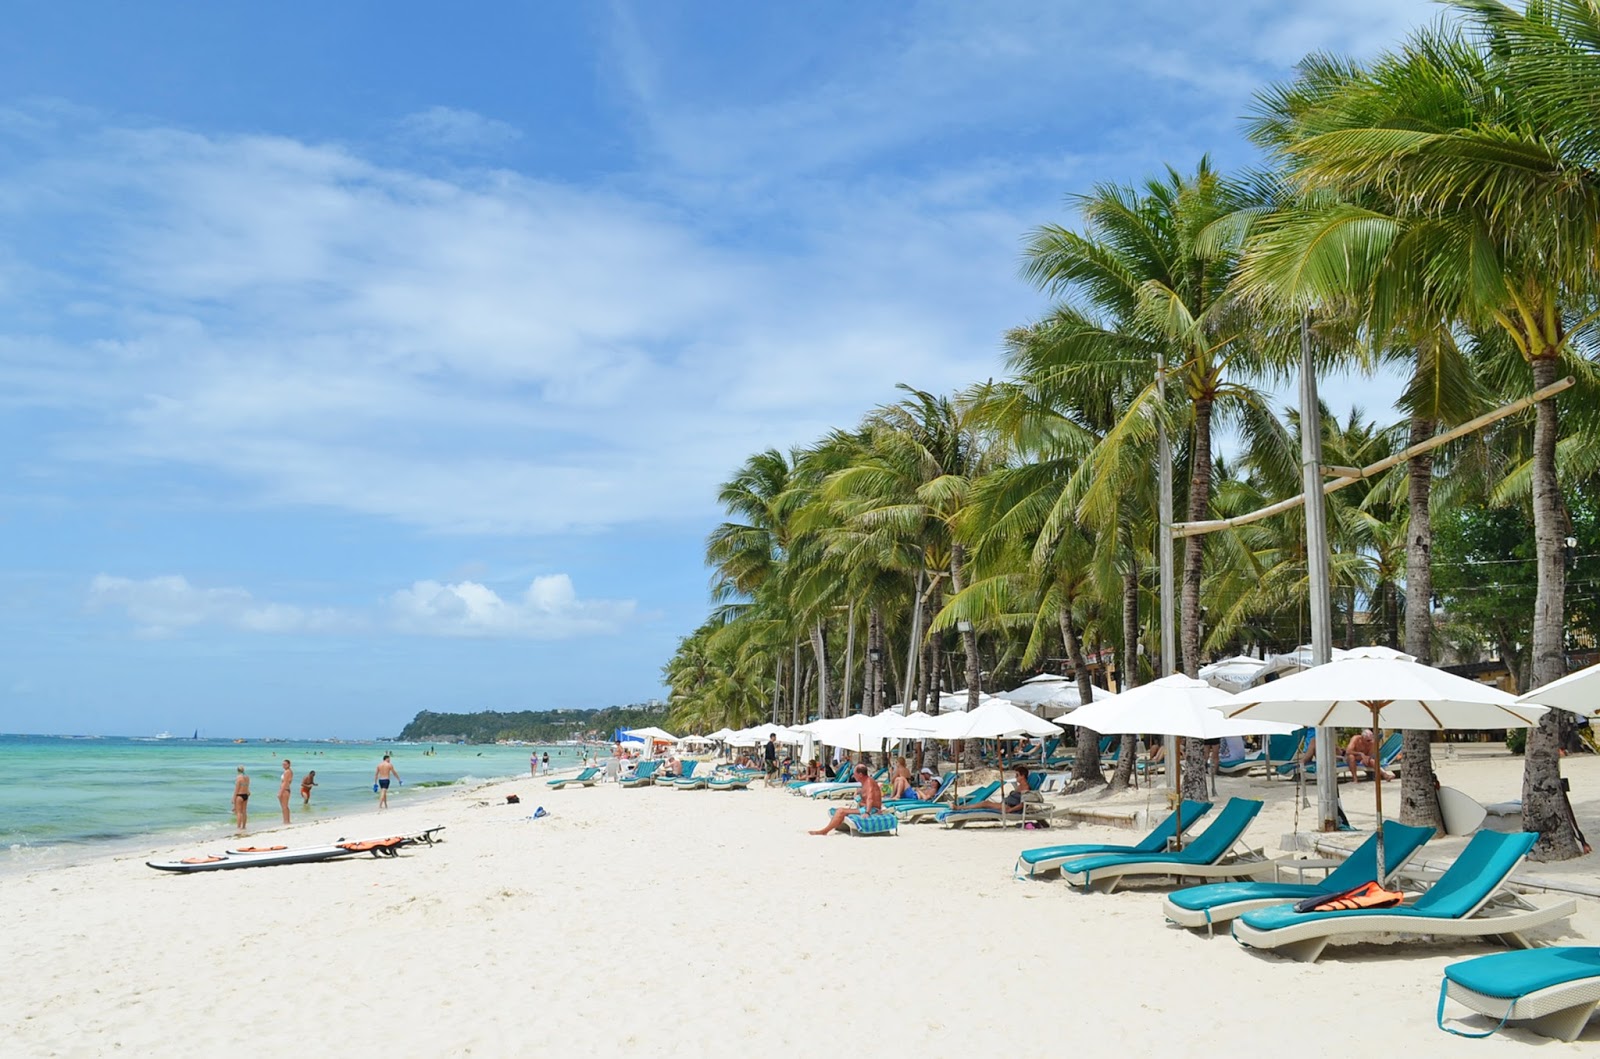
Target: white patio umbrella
(1050,694)
(1173,705)
(994,719)
(1577,693)
(651,733)
(1377,688)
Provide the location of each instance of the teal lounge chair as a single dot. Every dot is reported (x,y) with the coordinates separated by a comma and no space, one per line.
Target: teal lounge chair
(945,783)
(1204,906)
(961,816)
(587,778)
(1036,862)
(728,781)
(842,776)
(693,779)
(1208,855)
(1553,990)
(1283,749)
(643,775)
(1457,905)
(916,812)
(842,790)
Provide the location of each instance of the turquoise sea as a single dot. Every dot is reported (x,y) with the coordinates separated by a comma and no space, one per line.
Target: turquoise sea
(65,797)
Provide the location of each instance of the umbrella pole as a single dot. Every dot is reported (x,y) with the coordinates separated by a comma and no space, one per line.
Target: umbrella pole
(1175,769)
(1377,792)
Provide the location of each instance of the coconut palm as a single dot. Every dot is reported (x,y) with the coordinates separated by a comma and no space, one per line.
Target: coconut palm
(1476,203)
(1158,261)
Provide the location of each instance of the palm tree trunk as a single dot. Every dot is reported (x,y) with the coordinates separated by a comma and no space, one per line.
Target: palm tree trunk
(1122,775)
(1194,760)
(1419,798)
(1086,766)
(969,634)
(873,693)
(1545,808)
(849,660)
(819,648)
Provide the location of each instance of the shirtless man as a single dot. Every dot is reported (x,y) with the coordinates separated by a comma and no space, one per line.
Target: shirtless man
(1362,753)
(241,798)
(871,801)
(284,783)
(382,777)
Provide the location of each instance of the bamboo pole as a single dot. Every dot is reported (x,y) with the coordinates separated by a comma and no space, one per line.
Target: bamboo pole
(1348,476)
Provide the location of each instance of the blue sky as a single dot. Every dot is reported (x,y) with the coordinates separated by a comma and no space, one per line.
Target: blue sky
(365,358)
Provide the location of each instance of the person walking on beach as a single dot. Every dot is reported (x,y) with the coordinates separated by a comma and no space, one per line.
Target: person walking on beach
(284,783)
(385,773)
(241,796)
(770,752)
(533,764)
(305,787)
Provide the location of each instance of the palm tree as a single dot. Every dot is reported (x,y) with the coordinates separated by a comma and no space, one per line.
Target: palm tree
(902,499)
(1461,169)
(1158,261)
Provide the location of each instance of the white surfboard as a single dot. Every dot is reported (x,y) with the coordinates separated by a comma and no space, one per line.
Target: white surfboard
(1462,815)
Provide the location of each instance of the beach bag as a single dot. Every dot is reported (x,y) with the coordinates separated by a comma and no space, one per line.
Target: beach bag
(1367,895)
(512,799)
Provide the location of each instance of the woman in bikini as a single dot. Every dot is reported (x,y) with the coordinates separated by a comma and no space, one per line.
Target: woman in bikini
(241,795)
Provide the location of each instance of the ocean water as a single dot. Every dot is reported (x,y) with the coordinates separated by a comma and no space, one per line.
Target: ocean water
(65,798)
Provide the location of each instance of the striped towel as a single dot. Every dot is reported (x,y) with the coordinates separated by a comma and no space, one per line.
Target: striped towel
(873,823)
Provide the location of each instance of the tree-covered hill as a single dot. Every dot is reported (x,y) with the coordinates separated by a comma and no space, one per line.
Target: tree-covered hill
(534,726)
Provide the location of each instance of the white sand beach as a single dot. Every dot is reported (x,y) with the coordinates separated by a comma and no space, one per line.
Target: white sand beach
(666,922)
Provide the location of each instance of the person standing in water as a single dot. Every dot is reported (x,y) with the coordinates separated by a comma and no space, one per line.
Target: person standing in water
(284,783)
(241,796)
(546,762)
(305,787)
(385,773)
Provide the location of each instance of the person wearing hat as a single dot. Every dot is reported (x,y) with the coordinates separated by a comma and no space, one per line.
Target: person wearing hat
(930,784)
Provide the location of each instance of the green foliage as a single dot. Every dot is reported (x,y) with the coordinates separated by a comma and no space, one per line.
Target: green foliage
(1516,740)
(532,726)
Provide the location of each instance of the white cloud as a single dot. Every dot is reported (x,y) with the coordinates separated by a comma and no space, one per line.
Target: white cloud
(549,609)
(461,130)
(164,606)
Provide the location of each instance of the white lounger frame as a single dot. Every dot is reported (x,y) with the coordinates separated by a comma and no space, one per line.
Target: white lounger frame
(1503,916)
(1248,865)
(1560,1011)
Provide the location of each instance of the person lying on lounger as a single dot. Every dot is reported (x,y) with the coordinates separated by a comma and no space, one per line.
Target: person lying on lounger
(930,784)
(871,798)
(1013,801)
(900,785)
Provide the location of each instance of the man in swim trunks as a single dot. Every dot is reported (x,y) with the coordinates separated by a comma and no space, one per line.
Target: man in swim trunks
(305,787)
(241,795)
(385,773)
(871,802)
(284,783)
(1362,753)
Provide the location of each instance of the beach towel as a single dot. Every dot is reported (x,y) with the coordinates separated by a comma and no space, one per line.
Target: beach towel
(1367,895)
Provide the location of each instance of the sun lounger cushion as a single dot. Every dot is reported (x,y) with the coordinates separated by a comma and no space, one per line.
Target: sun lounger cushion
(1514,974)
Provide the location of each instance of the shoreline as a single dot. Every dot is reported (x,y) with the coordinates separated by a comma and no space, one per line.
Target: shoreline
(22,860)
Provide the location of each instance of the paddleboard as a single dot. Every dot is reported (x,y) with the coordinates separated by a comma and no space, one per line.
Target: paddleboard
(1462,815)
(225,861)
